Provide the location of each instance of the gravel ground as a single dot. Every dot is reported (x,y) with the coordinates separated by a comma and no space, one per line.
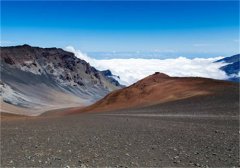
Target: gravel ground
(121,141)
(205,134)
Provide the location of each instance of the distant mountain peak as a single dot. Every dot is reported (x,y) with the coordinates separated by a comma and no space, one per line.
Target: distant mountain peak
(111,77)
(231,59)
(232,68)
(107,72)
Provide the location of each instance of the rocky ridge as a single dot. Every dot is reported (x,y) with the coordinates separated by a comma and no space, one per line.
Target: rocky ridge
(37,73)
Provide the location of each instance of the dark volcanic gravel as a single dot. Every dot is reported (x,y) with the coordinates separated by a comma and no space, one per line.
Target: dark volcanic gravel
(195,132)
(121,141)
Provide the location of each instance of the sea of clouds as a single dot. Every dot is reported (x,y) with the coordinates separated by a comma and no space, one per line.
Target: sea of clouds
(133,69)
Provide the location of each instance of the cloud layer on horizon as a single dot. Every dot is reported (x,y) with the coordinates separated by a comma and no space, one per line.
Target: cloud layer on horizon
(133,69)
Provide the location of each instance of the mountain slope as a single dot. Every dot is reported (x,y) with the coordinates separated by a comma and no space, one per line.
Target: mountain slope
(37,79)
(232,68)
(155,89)
(112,78)
(231,59)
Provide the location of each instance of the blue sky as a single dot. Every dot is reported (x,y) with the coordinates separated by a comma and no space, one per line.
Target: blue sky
(187,27)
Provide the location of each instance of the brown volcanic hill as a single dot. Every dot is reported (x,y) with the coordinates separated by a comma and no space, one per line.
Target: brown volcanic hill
(155,89)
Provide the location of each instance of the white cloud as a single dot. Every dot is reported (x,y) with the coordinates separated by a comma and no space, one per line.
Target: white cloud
(5,42)
(133,69)
(202,45)
(79,54)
